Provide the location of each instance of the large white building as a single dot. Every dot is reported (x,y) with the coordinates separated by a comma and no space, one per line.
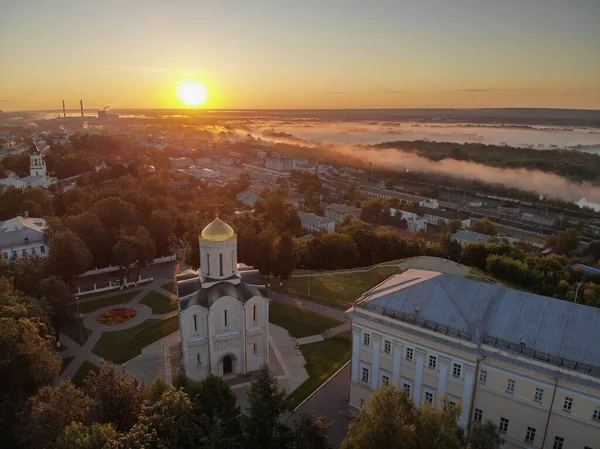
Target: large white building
(339,212)
(223,322)
(22,237)
(314,222)
(529,363)
(281,164)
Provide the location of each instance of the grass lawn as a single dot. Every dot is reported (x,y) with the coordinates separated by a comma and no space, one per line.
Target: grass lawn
(170,287)
(65,363)
(159,303)
(82,372)
(336,290)
(74,331)
(120,346)
(96,304)
(323,359)
(299,322)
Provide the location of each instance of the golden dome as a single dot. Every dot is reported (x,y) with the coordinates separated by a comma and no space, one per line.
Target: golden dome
(217,231)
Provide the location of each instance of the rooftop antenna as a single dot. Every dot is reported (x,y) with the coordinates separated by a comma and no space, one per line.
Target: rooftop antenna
(81,105)
(64,110)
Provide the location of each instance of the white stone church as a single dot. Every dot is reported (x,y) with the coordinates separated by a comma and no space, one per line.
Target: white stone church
(223,322)
(38,175)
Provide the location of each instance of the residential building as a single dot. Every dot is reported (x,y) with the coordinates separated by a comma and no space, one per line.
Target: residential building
(38,175)
(414,222)
(528,363)
(429,203)
(261,154)
(248,198)
(314,222)
(439,216)
(338,212)
(23,236)
(223,322)
(281,164)
(204,173)
(467,236)
(180,162)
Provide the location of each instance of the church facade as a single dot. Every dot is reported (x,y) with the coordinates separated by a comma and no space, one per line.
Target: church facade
(223,322)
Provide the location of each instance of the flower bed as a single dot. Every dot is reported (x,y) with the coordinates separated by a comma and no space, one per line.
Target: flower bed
(116,316)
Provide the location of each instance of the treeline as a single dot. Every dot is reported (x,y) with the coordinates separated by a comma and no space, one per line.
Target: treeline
(575,165)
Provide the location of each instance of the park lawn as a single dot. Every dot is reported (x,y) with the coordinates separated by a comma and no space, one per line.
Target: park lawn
(65,363)
(336,290)
(82,372)
(323,359)
(170,287)
(75,332)
(96,304)
(159,303)
(120,346)
(299,322)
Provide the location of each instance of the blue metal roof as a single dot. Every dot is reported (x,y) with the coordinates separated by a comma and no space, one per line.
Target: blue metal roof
(552,326)
(585,268)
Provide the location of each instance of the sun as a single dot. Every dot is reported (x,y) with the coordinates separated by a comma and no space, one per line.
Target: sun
(192,93)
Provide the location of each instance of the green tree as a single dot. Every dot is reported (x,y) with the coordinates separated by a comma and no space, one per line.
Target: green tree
(485,436)
(51,410)
(125,251)
(484,226)
(145,249)
(566,241)
(594,250)
(60,299)
(88,227)
(264,260)
(69,257)
(118,399)
(266,404)
(285,257)
(157,389)
(114,213)
(310,433)
(474,255)
(79,436)
(436,427)
(371,211)
(161,226)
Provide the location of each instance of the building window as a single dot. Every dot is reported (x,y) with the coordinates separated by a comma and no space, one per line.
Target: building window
(195,323)
(568,405)
(432,362)
(225,317)
(453,403)
(596,415)
(503,425)
(42,249)
(254,313)
(24,252)
(478,415)
(367,339)
(14,254)
(365,375)
(207,264)
(530,435)
(558,443)
(510,386)
(220,264)
(482,376)
(33,251)
(254,347)
(6,256)
(539,394)
(198,359)
(362,402)
(409,354)
(406,387)
(387,346)
(429,397)
(385,380)
(456,370)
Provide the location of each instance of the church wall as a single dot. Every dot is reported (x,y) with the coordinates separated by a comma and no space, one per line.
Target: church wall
(210,266)
(194,342)
(257,335)
(227,338)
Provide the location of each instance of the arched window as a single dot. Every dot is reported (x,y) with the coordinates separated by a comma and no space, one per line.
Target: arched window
(225,317)
(195,323)
(221,264)
(254,313)
(207,264)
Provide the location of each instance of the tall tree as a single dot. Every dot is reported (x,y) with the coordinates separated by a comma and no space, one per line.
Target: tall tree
(266,404)
(145,249)
(285,257)
(484,226)
(567,241)
(69,257)
(161,226)
(485,436)
(310,433)
(60,299)
(79,436)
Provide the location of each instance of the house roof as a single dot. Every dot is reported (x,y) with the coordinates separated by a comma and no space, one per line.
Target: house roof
(343,208)
(314,219)
(471,236)
(248,198)
(545,328)
(20,230)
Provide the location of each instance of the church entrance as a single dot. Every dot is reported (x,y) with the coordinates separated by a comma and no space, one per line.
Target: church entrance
(227,365)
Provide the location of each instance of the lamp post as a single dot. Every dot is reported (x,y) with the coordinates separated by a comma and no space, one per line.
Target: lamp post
(304,266)
(579,284)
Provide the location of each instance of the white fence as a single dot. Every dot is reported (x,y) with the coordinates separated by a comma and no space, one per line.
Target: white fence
(112,286)
(113,268)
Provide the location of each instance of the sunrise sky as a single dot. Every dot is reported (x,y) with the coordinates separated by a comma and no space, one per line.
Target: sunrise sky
(300,54)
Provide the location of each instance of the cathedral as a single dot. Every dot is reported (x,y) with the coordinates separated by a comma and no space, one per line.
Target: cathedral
(223,322)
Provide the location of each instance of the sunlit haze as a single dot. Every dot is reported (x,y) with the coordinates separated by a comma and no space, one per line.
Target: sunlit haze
(311,54)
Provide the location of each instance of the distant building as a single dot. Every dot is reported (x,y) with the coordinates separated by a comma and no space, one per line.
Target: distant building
(429,203)
(414,222)
(180,162)
(466,236)
(314,222)
(261,154)
(528,363)
(38,175)
(338,212)
(439,216)
(248,198)
(204,173)
(179,185)
(281,164)
(23,236)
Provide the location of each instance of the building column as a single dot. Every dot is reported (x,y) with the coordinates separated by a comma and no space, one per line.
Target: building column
(443,363)
(467,395)
(397,348)
(375,380)
(418,376)
(355,352)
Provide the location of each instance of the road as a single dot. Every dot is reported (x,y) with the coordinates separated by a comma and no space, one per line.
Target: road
(330,402)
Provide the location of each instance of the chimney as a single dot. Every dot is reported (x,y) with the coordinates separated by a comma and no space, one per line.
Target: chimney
(81,104)
(64,110)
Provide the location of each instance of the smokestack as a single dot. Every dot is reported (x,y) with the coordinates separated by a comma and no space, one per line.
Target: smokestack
(81,104)
(64,110)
